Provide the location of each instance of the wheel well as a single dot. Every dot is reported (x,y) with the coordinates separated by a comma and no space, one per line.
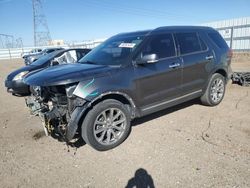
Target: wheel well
(222,72)
(118,97)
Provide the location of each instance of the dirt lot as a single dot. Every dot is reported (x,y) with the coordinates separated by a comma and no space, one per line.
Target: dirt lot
(186,146)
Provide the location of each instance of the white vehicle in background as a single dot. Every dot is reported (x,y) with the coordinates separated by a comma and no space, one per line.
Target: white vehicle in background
(32,52)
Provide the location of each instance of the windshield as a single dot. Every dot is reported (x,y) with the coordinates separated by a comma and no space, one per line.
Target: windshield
(45,58)
(114,51)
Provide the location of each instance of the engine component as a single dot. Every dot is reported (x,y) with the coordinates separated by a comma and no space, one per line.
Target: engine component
(58,109)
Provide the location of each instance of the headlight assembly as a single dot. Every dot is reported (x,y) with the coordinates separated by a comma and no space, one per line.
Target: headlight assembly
(20,75)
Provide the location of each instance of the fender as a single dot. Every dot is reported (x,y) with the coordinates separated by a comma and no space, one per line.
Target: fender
(79,111)
(98,88)
(74,122)
(118,93)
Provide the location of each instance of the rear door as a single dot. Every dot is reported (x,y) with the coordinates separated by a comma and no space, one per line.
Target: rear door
(197,59)
(160,81)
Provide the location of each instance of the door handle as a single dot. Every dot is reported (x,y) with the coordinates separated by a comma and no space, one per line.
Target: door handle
(174,65)
(210,57)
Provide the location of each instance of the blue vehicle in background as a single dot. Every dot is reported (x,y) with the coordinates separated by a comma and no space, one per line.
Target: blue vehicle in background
(30,58)
(14,81)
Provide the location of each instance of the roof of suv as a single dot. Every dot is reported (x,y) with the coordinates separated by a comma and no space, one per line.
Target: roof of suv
(171,28)
(133,33)
(167,28)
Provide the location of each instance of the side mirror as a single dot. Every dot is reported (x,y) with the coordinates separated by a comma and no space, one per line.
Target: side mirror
(150,58)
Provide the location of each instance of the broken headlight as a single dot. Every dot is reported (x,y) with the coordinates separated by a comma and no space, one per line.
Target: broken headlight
(20,75)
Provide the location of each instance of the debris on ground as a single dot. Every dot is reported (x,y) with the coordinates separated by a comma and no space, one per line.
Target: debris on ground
(241,78)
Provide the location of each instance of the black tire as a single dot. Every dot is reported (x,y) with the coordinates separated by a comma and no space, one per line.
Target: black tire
(89,125)
(207,98)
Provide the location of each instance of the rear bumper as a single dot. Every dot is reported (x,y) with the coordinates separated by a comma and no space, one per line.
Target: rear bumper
(229,73)
(17,88)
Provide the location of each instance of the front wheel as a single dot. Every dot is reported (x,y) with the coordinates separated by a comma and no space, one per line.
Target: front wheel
(215,90)
(106,125)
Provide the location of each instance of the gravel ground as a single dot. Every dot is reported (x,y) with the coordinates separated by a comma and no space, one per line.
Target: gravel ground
(189,145)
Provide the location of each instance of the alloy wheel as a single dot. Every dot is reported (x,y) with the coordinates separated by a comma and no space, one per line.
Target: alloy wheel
(217,90)
(109,126)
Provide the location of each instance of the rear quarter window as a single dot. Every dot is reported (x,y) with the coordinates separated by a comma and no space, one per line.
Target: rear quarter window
(218,40)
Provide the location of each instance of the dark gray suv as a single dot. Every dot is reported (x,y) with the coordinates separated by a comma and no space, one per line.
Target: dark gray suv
(128,76)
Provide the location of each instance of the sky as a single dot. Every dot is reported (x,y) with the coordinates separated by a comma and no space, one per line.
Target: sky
(78,20)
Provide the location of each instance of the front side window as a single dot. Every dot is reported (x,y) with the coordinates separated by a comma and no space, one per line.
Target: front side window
(67,57)
(162,45)
(188,42)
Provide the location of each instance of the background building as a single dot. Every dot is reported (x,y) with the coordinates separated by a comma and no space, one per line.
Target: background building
(56,42)
(236,32)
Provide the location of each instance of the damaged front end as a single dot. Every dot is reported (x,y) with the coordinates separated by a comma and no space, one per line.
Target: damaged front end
(59,110)
(61,94)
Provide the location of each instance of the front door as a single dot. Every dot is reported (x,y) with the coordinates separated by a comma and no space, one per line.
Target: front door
(159,82)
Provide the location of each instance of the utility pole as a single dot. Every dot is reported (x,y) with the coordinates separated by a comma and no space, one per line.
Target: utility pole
(41,29)
(19,43)
(7,41)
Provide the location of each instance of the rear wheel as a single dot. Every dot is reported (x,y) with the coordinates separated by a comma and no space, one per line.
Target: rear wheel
(215,90)
(106,125)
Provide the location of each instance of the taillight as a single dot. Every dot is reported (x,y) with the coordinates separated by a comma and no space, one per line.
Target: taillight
(230,53)
(229,56)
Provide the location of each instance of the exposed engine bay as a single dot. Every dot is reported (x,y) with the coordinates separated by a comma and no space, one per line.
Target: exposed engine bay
(55,105)
(61,96)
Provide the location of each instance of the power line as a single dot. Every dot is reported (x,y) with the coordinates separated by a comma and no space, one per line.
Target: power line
(146,10)
(123,10)
(150,13)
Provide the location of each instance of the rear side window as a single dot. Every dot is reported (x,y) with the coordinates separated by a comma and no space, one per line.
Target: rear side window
(162,45)
(188,43)
(218,40)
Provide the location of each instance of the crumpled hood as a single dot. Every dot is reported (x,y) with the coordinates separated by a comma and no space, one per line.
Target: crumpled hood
(65,74)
